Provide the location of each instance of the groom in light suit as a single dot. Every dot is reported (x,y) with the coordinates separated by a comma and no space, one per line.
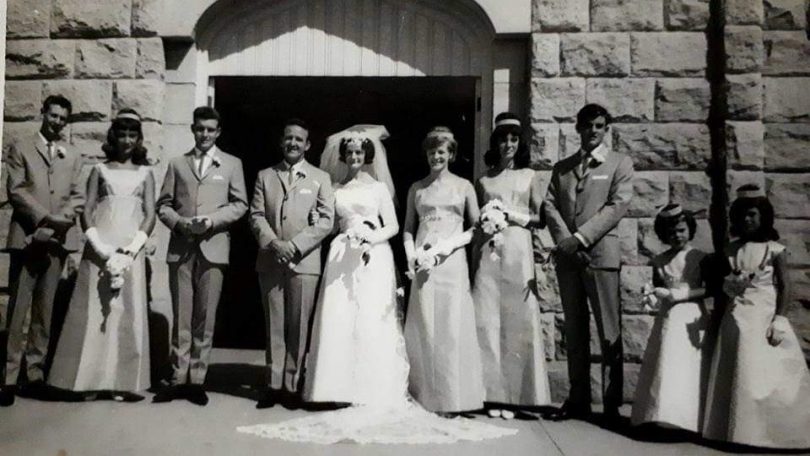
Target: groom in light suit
(588,195)
(203,194)
(291,213)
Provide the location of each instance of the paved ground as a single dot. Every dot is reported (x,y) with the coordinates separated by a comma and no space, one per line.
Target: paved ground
(32,428)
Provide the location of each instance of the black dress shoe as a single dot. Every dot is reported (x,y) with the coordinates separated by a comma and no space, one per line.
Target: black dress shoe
(268,400)
(6,398)
(166,394)
(569,411)
(196,395)
(291,401)
(34,390)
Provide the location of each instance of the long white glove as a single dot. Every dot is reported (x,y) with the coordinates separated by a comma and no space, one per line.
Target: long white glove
(137,243)
(518,218)
(778,330)
(410,253)
(103,249)
(449,245)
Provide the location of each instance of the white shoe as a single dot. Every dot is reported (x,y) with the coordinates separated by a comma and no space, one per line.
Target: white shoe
(494,413)
(507,414)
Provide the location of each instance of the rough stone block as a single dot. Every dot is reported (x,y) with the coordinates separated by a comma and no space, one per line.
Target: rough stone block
(627,15)
(744,49)
(28,18)
(795,234)
(744,96)
(682,100)
(106,58)
(549,334)
(545,145)
(153,141)
(628,241)
(744,12)
(555,100)
(736,179)
(560,15)
(145,17)
(789,194)
(676,54)
(595,54)
(150,62)
(4,267)
(91,98)
(17,131)
(687,14)
(632,280)
(787,146)
(631,373)
(650,193)
(692,190)
(787,99)
(39,59)
(545,54)
(91,18)
(786,54)
(23,100)
(180,100)
(799,315)
(664,146)
(635,333)
(745,143)
(558,380)
(785,14)
(140,95)
(88,137)
(562,344)
(627,100)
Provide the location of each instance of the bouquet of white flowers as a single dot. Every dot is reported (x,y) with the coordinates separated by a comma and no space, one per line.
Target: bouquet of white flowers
(359,236)
(492,222)
(114,269)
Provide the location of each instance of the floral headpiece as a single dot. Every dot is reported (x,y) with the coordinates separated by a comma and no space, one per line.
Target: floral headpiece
(355,138)
(441,134)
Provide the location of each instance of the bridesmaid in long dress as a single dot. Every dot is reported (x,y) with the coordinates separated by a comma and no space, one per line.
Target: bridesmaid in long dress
(104,346)
(672,379)
(507,311)
(759,383)
(440,333)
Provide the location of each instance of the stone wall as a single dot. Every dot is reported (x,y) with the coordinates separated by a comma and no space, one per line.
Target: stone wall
(647,62)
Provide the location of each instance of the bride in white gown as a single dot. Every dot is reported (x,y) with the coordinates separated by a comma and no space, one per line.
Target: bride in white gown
(357,352)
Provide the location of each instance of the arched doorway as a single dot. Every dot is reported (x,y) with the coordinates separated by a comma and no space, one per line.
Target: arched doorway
(405,64)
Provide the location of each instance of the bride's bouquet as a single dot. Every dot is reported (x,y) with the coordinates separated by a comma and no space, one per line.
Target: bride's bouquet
(492,222)
(359,236)
(115,268)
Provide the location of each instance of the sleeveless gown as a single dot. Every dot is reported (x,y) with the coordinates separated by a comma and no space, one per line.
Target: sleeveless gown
(446,373)
(358,353)
(758,394)
(104,343)
(507,311)
(673,375)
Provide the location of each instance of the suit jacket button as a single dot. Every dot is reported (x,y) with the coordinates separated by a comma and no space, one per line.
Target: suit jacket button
(284,218)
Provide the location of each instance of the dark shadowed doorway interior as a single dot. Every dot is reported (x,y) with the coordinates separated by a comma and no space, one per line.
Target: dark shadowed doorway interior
(253,110)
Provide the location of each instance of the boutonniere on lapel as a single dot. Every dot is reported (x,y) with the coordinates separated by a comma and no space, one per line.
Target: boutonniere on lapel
(61,152)
(300,174)
(216,161)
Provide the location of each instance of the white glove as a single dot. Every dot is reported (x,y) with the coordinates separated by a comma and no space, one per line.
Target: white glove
(778,330)
(518,218)
(103,249)
(137,243)
(410,254)
(447,246)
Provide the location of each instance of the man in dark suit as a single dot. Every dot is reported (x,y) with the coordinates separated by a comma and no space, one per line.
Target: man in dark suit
(291,213)
(588,195)
(203,194)
(45,192)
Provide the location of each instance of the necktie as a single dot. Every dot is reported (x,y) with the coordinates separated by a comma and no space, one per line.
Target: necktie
(291,178)
(586,161)
(51,150)
(201,166)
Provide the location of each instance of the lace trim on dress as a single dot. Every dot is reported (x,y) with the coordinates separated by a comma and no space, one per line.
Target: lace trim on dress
(408,424)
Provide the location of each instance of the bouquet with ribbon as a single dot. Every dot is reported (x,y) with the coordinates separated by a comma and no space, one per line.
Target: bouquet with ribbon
(115,268)
(492,222)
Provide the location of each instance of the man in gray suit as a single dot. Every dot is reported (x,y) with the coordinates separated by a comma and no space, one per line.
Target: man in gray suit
(45,192)
(588,195)
(291,213)
(203,194)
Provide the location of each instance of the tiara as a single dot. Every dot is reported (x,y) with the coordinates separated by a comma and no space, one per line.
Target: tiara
(128,115)
(439,134)
(355,138)
(507,122)
(752,191)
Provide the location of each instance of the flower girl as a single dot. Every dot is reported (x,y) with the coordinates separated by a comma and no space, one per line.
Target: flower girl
(759,384)
(670,388)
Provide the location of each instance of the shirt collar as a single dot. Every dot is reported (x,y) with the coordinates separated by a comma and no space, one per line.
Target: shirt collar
(60,150)
(210,153)
(599,154)
(297,168)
